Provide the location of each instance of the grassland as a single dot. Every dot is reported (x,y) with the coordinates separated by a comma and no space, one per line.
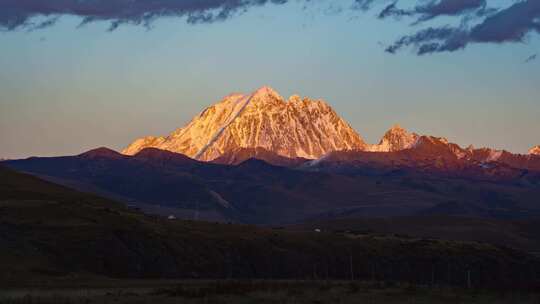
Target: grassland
(298,292)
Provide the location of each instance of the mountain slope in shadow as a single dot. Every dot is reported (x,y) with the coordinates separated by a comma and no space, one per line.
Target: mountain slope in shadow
(257,192)
(51,234)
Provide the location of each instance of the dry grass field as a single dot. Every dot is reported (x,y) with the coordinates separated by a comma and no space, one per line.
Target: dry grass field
(245,292)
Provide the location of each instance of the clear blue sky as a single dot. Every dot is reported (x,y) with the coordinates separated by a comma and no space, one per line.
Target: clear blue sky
(64,89)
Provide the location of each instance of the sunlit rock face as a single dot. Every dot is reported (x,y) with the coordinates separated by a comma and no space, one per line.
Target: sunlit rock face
(297,127)
(535,150)
(395,139)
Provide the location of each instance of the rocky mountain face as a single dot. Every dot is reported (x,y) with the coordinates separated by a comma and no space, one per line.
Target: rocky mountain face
(305,132)
(535,150)
(395,139)
(434,156)
(293,128)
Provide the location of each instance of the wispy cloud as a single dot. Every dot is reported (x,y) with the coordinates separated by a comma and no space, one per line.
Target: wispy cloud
(477,21)
(17,14)
(530,58)
(433,9)
(364,4)
(509,25)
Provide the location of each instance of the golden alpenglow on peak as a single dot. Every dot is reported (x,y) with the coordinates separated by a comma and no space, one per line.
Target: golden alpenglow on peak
(302,128)
(395,139)
(535,150)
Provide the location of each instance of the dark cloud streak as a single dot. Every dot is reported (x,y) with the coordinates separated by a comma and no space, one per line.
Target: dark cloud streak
(391,10)
(510,25)
(450,8)
(530,58)
(17,14)
(434,9)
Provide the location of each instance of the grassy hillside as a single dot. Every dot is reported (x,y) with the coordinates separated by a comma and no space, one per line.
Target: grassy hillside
(256,192)
(53,233)
(520,234)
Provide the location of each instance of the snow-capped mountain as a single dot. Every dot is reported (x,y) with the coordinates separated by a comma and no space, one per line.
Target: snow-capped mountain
(395,139)
(430,155)
(535,150)
(291,132)
(399,139)
(293,128)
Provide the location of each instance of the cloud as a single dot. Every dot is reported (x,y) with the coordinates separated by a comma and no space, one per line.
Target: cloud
(433,9)
(363,4)
(392,10)
(510,25)
(530,58)
(432,40)
(478,22)
(19,14)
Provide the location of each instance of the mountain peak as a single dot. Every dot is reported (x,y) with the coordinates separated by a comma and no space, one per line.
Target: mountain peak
(395,132)
(304,128)
(395,139)
(396,127)
(266,91)
(535,150)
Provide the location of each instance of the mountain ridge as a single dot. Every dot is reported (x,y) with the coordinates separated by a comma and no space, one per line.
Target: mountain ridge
(291,128)
(346,183)
(282,131)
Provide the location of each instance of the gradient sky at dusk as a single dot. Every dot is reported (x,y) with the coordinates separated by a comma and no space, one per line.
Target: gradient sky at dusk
(65,89)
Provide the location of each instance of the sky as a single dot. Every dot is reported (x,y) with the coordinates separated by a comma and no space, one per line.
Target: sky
(102,73)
